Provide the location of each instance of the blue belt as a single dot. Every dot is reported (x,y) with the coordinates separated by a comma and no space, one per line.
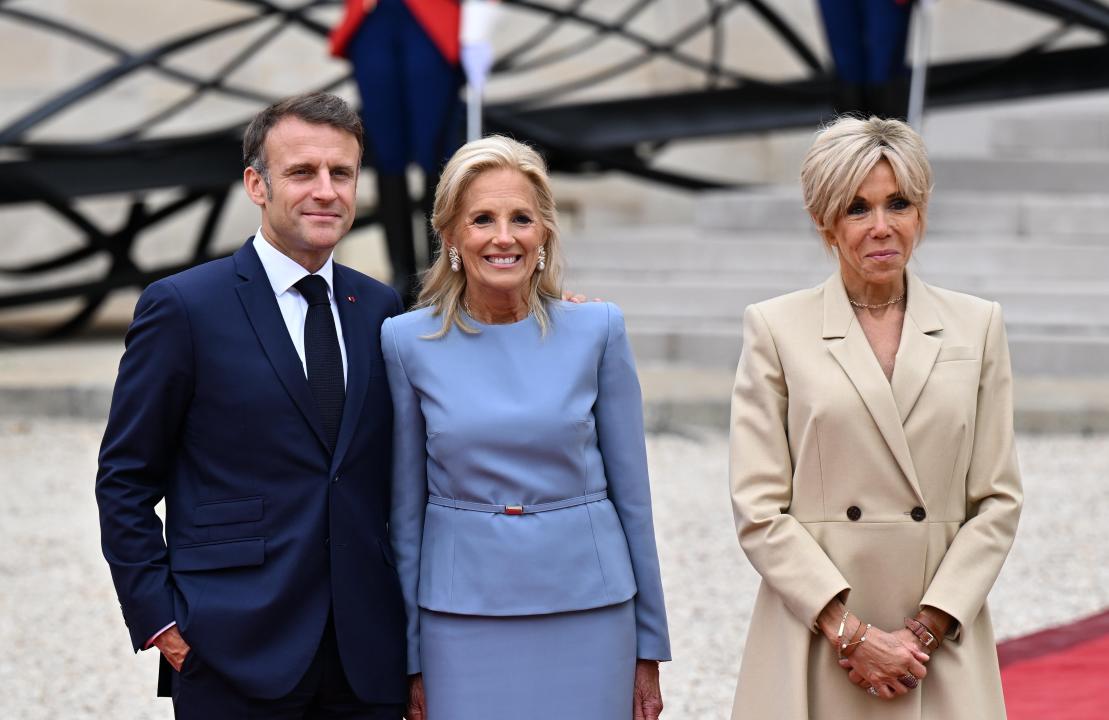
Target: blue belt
(517,509)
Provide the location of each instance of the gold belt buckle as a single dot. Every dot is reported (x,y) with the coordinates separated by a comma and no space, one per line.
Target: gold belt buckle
(513,509)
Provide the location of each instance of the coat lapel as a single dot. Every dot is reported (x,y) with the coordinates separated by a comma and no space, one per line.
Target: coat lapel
(355,327)
(918,349)
(256,295)
(850,348)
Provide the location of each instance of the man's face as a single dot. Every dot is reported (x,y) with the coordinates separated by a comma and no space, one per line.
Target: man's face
(309,205)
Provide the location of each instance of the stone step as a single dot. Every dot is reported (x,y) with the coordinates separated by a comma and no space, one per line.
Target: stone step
(667,234)
(1021,174)
(793,255)
(677,397)
(1085,312)
(1082,217)
(975,284)
(1070,134)
(719,345)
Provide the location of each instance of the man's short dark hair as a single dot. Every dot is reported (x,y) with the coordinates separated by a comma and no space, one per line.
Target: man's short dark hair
(318,108)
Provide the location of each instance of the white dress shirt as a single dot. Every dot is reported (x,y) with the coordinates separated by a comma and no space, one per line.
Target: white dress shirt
(283,273)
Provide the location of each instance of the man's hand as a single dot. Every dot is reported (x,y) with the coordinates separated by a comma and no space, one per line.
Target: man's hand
(417,707)
(173,647)
(647,695)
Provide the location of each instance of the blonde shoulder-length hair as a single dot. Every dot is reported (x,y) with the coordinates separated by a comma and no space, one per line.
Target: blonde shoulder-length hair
(442,288)
(843,154)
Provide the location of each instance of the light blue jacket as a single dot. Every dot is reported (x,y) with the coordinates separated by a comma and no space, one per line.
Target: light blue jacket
(508,417)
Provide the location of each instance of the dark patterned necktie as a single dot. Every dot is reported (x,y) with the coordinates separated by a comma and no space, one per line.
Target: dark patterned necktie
(322,356)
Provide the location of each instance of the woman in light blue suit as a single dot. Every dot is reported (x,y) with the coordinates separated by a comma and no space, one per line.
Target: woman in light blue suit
(521,512)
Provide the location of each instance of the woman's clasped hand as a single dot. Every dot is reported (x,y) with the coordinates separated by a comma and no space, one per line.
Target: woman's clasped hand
(884,664)
(891,663)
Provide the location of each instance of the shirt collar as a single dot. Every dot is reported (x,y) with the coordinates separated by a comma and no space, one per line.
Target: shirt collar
(284,272)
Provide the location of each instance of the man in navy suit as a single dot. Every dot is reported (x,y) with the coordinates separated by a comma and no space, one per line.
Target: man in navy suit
(252,398)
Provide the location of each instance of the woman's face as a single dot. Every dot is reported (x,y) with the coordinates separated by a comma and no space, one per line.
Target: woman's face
(875,238)
(499,233)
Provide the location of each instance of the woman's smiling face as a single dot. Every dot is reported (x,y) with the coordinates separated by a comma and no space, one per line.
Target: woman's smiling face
(875,237)
(499,233)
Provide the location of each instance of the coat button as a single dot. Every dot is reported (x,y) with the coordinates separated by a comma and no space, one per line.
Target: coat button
(335,479)
(854,513)
(918,513)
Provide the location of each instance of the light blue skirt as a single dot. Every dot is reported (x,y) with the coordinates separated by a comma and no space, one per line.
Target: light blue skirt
(573,665)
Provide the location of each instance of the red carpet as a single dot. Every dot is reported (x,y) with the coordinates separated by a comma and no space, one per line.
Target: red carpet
(1058,674)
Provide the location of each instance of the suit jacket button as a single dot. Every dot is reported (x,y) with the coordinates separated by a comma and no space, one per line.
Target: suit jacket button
(854,513)
(918,513)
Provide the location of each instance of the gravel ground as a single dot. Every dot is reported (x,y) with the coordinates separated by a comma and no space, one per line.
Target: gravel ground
(66,653)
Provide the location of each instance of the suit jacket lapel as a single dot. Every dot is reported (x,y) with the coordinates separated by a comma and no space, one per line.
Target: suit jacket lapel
(918,350)
(256,295)
(850,348)
(356,325)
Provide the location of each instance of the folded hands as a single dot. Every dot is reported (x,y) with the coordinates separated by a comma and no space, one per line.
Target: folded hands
(885,664)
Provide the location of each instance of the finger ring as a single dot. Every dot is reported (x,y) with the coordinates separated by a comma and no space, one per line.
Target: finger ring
(909,680)
(872,690)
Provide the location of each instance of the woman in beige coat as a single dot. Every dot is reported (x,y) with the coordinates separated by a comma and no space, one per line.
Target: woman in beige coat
(873,474)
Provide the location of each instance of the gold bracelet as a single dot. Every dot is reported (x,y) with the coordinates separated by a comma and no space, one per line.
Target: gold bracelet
(841,646)
(842,623)
(860,641)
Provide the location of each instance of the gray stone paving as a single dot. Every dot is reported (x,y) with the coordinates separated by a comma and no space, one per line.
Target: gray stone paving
(64,651)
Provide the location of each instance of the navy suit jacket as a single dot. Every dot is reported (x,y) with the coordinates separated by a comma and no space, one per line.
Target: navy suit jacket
(266,531)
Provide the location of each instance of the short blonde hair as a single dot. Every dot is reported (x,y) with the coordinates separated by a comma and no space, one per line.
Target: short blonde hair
(846,150)
(443,288)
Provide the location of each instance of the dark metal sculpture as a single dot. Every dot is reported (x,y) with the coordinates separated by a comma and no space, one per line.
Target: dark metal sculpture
(620,134)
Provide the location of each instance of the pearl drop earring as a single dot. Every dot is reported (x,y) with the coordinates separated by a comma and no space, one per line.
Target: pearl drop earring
(456,261)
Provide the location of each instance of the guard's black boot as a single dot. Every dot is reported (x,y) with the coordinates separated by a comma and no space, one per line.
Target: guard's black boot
(427,205)
(395,210)
(848,99)
(890,101)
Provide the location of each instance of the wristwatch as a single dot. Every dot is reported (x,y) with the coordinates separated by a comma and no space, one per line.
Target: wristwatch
(927,639)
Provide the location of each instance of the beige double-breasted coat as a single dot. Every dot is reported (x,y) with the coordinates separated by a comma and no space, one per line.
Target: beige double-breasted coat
(902,493)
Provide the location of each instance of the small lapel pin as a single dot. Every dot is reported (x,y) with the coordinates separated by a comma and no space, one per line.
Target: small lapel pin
(350,298)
